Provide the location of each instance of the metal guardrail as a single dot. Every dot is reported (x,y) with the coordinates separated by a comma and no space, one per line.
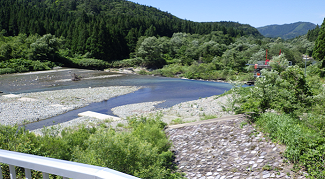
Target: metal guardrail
(66,169)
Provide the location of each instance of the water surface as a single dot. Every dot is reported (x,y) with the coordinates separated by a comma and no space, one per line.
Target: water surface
(172,90)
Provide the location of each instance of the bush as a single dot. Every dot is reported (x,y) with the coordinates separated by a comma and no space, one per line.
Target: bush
(127,63)
(88,63)
(143,151)
(305,143)
(23,65)
(7,70)
(287,92)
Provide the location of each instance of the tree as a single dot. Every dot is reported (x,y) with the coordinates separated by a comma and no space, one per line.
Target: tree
(279,63)
(313,34)
(150,52)
(319,49)
(45,48)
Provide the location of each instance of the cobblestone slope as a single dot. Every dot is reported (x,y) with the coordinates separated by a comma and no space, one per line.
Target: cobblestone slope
(228,149)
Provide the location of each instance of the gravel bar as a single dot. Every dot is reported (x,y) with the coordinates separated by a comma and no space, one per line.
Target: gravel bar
(32,107)
(190,111)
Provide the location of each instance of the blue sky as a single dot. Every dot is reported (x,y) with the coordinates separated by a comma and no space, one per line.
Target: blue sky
(257,13)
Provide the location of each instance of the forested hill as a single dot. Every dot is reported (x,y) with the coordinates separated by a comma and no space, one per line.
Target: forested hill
(107,29)
(286,31)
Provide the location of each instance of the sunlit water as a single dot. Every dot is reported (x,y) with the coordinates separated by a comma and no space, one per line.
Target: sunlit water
(172,90)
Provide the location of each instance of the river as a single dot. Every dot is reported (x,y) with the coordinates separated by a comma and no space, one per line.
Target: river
(172,90)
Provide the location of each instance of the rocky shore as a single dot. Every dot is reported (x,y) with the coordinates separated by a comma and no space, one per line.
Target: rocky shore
(30,107)
(196,110)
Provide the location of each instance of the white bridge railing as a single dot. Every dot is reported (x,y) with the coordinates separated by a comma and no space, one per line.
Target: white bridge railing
(63,168)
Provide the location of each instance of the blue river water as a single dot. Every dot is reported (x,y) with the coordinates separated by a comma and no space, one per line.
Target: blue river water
(172,90)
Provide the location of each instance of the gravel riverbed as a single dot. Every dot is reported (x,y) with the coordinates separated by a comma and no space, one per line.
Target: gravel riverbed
(200,109)
(31,107)
(190,111)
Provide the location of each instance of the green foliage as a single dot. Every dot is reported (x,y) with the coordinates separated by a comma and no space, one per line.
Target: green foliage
(109,30)
(298,120)
(279,63)
(305,145)
(207,117)
(313,34)
(210,56)
(89,63)
(177,121)
(133,62)
(150,52)
(45,48)
(23,65)
(319,52)
(143,151)
(286,92)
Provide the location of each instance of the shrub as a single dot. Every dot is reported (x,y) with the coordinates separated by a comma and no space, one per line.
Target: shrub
(305,145)
(88,63)
(287,92)
(142,151)
(127,63)
(23,65)
(7,70)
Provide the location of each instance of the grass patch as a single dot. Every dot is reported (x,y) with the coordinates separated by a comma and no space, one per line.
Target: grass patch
(242,124)
(207,117)
(177,121)
(305,144)
(120,125)
(267,167)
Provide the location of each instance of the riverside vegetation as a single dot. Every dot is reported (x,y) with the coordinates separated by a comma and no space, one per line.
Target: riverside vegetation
(289,107)
(209,57)
(142,150)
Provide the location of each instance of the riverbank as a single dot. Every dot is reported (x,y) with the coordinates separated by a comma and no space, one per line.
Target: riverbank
(190,111)
(31,107)
(145,71)
(195,110)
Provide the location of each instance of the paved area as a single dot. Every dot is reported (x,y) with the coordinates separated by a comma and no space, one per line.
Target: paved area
(227,148)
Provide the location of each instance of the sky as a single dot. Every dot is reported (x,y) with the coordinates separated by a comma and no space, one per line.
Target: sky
(257,13)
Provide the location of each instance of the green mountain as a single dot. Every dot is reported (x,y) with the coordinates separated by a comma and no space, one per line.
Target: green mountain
(286,31)
(106,29)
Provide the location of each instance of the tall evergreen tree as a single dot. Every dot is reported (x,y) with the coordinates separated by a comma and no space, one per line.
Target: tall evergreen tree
(319,49)
(313,34)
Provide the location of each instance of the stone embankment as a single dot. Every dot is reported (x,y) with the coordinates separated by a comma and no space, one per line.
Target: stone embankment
(227,148)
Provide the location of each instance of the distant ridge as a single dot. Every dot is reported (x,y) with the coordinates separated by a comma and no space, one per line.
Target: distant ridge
(286,31)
